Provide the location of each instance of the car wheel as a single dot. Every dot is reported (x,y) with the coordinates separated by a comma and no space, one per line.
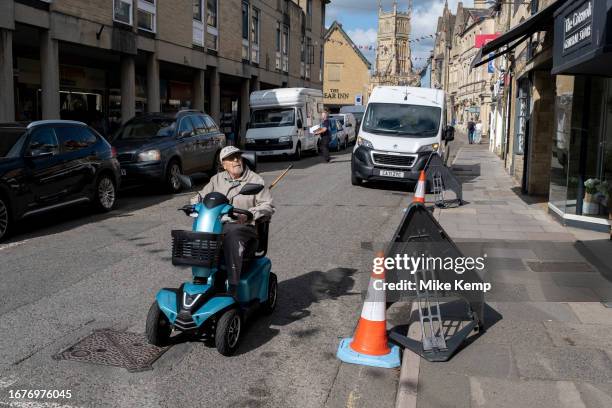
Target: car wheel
(228,331)
(5,218)
(106,193)
(356,181)
(173,182)
(158,327)
(297,156)
(270,304)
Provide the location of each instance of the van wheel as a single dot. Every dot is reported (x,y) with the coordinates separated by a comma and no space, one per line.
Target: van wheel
(356,181)
(5,218)
(173,183)
(297,156)
(105,195)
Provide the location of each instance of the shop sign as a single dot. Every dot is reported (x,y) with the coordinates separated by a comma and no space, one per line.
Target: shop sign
(578,27)
(336,94)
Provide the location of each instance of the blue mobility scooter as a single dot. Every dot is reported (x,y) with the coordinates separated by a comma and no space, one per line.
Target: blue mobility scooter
(203,307)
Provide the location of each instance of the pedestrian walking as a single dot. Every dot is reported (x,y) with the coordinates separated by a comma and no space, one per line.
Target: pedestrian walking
(325,133)
(471,127)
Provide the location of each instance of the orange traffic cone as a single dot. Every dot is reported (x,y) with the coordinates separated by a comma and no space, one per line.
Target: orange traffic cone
(370,346)
(419,194)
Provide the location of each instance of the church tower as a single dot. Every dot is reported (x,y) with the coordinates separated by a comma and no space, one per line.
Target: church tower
(393,55)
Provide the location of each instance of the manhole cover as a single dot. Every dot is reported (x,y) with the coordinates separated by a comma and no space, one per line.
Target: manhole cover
(113,348)
(554,266)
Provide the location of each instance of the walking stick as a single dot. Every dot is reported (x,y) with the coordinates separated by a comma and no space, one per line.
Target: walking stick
(279,178)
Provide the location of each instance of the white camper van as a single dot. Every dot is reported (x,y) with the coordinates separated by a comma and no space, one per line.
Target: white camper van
(281,119)
(401,128)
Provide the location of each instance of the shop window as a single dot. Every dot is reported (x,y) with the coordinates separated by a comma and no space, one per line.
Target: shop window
(122,11)
(212,24)
(255,36)
(146,15)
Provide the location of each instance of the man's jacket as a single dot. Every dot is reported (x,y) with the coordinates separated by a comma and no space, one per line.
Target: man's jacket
(260,205)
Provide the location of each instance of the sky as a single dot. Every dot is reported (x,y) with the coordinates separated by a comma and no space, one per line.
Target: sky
(359,18)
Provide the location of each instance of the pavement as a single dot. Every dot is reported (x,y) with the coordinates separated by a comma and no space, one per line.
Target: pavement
(70,272)
(548,341)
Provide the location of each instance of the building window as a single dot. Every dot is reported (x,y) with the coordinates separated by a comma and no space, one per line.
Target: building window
(334,71)
(122,11)
(309,14)
(285,48)
(278,46)
(197,10)
(212,24)
(303,57)
(309,56)
(146,15)
(245,30)
(255,36)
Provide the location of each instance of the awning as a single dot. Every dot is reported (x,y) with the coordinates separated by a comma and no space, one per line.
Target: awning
(517,34)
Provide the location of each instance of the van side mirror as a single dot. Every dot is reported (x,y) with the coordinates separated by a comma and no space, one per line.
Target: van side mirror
(300,124)
(449,133)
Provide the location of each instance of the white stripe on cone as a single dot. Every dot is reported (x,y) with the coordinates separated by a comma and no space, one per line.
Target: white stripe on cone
(374,308)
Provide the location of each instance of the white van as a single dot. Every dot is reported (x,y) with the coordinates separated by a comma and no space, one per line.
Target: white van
(401,128)
(349,123)
(281,119)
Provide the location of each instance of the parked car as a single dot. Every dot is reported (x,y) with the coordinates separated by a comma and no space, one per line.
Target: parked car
(357,111)
(401,129)
(342,136)
(158,147)
(349,124)
(51,164)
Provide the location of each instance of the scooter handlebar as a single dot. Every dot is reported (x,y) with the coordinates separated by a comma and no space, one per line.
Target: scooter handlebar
(187,209)
(248,214)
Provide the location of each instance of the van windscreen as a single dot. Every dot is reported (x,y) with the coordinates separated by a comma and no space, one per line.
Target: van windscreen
(394,119)
(277,117)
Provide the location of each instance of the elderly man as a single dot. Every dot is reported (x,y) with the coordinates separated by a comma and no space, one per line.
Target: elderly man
(240,237)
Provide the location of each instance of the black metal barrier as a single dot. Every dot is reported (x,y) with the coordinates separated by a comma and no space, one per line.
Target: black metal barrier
(442,179)
(420,235)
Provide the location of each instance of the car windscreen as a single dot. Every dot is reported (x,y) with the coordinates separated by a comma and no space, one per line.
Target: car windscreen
(266,118)
(394,119)
(11,141)
(146,128)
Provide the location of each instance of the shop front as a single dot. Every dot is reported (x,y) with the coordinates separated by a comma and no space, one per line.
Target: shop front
(581,166)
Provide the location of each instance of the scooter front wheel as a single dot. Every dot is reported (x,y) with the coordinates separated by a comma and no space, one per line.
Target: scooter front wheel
(228,332)
(158,327)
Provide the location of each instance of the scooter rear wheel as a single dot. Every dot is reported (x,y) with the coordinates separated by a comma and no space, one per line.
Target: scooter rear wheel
(270,304)
(158,327)
(228,332)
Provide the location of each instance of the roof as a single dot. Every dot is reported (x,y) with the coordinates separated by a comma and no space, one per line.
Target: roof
(337,26)
(407,95)
(55,122)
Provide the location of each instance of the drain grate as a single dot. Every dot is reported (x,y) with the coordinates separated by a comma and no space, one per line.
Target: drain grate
(555,266)
(114,348)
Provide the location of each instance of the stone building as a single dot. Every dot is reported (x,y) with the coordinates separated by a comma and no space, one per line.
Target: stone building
(393,55)
(443,43)
(113,59)
(346,72)
(469,89)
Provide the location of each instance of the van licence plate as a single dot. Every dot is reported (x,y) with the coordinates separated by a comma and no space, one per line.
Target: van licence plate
(392,173)
(270,153)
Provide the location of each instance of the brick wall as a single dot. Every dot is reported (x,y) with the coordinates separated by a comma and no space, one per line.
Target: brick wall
(100,11)
(174,21)
(354,77)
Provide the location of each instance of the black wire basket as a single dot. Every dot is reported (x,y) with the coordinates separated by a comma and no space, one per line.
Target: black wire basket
(196,248)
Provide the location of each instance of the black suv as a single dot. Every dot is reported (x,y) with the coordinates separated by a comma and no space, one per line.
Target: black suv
(158,147)
(53,163)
